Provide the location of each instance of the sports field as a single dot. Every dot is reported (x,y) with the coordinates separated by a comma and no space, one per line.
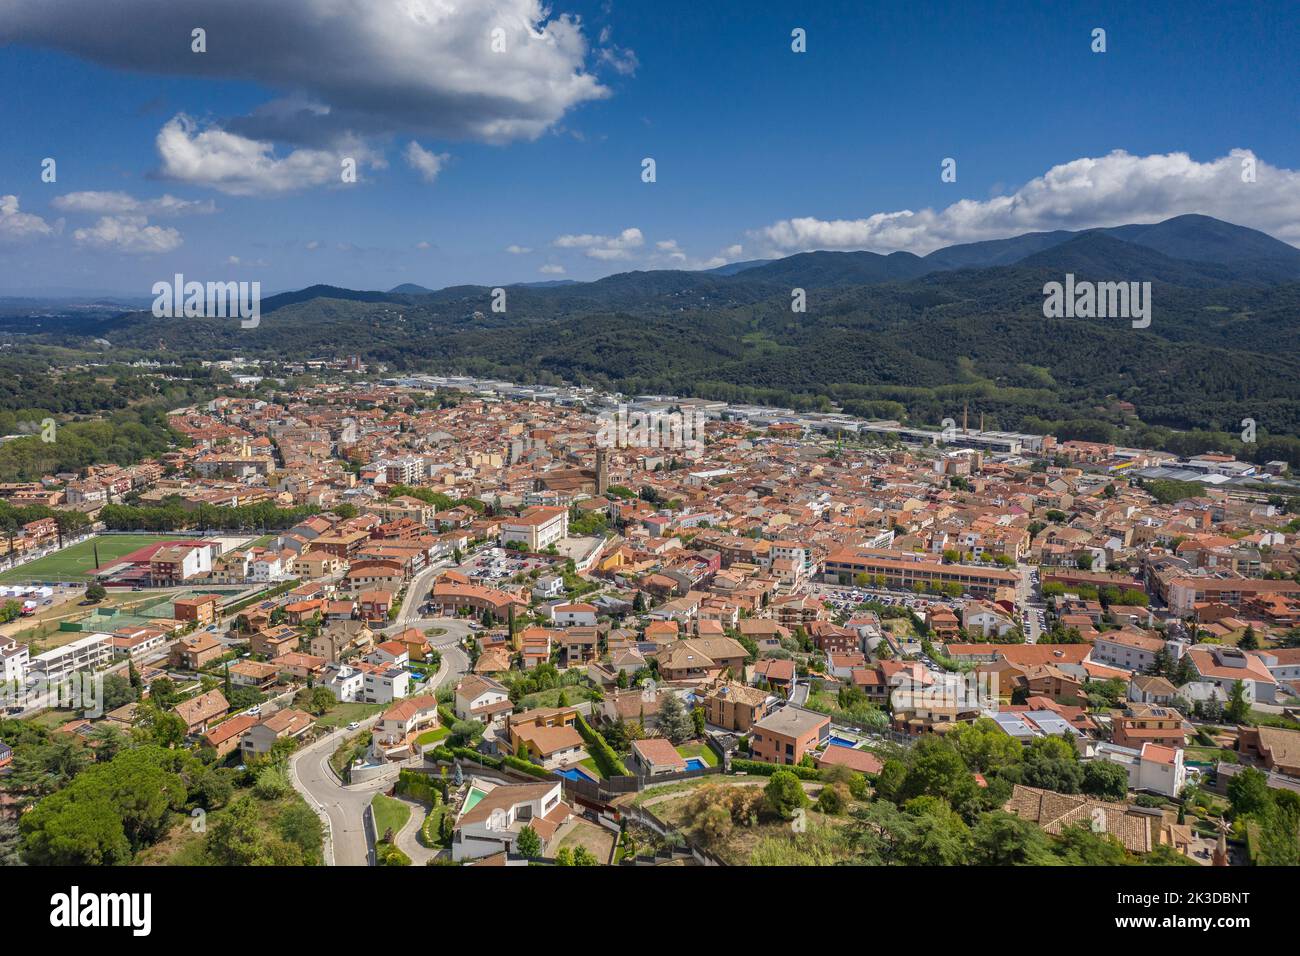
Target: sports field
(75,563)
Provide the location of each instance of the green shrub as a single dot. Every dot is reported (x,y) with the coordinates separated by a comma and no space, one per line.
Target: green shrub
(388,855)
(607,761)
(762,769)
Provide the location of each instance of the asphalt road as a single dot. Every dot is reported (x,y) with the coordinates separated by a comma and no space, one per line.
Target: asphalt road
(344,807)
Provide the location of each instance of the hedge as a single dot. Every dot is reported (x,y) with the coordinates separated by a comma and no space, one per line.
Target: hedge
(606,759)
(527,766)
(767,769)
(417,786)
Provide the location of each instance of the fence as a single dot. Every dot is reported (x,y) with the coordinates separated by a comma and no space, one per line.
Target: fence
(647,819)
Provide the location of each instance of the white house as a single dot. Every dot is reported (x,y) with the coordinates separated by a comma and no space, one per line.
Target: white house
(492,823)
(481,698)
(347,684)
(985,619)
(1154,768)
(536,528)
(399,725)
(387,684)
(83,654)
(548,586)
(574,615)
(14,659)
(1224,665)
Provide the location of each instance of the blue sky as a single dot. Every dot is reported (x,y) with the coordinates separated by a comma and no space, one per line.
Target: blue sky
(759,151)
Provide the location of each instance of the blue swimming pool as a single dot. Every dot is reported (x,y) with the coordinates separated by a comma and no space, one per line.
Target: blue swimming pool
(572,773)
(695,763)
(842,741)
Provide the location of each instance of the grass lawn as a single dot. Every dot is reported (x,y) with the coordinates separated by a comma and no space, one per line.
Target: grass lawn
(433,736)
(1209,754)
(340,715)
(574,693)
(590,764)
(75,563)
(390,814)
(701,750)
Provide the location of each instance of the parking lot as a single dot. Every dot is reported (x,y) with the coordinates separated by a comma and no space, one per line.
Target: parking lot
(500,564)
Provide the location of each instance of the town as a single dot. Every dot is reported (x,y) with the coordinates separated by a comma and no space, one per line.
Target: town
(450,621)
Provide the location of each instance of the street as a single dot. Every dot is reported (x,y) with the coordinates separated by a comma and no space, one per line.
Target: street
(344,807)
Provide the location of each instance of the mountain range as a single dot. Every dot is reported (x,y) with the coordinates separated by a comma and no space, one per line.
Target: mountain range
(1191,250)
(895,336)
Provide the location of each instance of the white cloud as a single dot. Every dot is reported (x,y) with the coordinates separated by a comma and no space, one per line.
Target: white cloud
(1086,193)
(120,203)
(16,225)
(240,166)
(551,269)
(517,250)
(604,247)
(313,245)
(427,164)
(374,67)
(423,244)
(129,234)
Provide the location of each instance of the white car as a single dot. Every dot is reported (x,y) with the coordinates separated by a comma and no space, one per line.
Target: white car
(354,725)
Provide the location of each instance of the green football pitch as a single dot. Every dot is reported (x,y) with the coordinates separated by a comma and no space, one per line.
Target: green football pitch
(76,562)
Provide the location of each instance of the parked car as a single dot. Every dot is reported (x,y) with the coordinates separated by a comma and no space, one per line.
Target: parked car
(354,725)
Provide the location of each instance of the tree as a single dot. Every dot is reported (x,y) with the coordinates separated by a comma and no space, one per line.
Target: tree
(984,746)
(529,843)
(299,825)
(107,812)
(937,770)
(1238,709)
(784,794)
(833,799)
(238,838)
(1052,763)
(674,722)
(939,837)
(96,592)
(1080,846)
(1004,839)
(10,843)
(466,732)
(1248,642)
(1249,793)
(1105,780)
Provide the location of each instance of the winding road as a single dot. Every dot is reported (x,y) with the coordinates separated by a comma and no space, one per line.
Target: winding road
(342,808)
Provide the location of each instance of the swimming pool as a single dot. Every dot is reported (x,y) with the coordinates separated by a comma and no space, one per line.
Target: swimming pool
(842,741)
(472,798)
(695,763)
(572,773)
